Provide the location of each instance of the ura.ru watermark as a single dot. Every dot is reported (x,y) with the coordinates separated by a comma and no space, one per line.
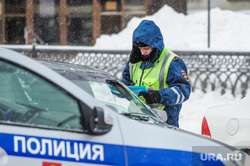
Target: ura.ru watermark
(234,156)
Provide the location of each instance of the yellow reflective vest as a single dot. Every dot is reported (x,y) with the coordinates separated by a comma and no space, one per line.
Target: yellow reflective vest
(154,77)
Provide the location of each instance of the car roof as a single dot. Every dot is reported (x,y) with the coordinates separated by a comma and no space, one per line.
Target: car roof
(75,71)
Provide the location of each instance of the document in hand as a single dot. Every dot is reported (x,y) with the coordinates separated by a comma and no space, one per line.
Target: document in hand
(138,89)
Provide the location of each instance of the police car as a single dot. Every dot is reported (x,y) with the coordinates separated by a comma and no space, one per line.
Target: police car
(46,119)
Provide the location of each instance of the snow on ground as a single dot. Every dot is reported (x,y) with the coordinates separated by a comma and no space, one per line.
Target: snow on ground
(229,31)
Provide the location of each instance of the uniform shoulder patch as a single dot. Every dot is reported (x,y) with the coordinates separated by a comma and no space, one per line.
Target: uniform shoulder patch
(184,75)
(175,59)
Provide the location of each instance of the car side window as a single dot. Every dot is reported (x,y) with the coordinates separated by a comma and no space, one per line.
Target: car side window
(28,99)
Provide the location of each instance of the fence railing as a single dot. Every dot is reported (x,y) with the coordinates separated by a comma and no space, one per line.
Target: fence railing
(207,70)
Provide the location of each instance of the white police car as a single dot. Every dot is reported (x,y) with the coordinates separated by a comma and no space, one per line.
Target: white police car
(45,120)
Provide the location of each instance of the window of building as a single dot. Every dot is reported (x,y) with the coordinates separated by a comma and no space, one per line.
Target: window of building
(1,22)
(14,19)
(46,21)
(115,14)
(79,22)
(14,30)
(15,7)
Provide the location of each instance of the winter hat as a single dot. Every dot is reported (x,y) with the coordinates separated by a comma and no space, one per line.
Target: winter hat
(140,44)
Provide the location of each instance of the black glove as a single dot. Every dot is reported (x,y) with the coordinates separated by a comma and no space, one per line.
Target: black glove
(151,97)
(135,55)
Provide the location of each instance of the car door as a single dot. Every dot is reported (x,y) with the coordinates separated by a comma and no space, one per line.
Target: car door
(42,123)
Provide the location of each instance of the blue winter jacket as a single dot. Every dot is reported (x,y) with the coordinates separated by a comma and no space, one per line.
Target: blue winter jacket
(179,86)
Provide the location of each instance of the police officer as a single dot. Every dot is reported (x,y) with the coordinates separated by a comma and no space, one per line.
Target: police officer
(163,73)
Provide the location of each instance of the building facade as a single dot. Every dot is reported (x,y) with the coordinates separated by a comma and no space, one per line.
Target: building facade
(71,22)
(235,5)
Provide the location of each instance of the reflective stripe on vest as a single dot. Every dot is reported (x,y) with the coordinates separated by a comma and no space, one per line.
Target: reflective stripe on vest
(162,72)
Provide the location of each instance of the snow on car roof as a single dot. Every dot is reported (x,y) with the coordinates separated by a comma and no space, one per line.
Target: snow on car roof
(78,72)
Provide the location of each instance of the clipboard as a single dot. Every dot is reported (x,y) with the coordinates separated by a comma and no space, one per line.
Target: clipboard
(138,89)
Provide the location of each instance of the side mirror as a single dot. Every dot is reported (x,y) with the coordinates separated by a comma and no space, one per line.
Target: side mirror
(97,124)
(161,113)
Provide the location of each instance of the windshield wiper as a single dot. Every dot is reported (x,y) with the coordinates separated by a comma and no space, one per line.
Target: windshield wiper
(137,116)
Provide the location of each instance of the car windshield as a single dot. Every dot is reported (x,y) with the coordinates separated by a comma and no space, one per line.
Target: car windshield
(109,91)
(114,95)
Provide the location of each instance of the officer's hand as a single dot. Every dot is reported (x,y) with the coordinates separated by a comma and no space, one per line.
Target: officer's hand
(135,55)
(151,96)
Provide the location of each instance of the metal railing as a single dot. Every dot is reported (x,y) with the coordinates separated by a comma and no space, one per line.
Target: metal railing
(207,70)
